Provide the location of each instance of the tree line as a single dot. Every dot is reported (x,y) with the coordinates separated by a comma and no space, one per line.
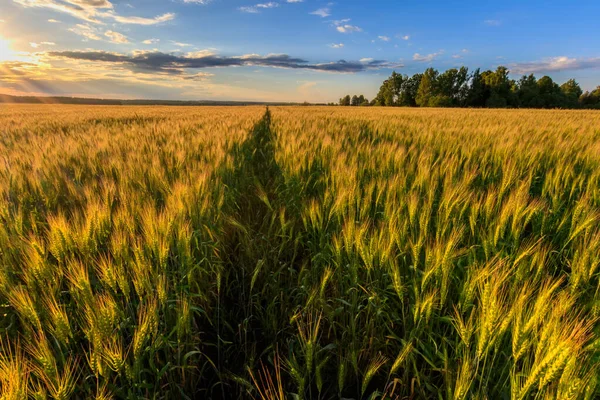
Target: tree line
(493,89)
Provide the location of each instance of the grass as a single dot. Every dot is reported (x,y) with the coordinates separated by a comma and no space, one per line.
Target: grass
(308,253)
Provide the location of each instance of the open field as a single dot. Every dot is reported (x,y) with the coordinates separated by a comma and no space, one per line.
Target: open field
(309,253)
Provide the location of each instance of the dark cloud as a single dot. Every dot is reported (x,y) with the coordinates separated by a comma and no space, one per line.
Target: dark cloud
(175,64)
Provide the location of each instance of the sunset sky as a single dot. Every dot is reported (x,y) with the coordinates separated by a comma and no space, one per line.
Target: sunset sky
(286,50)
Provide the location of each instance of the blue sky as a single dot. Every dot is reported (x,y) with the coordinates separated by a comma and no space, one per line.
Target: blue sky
(286,50)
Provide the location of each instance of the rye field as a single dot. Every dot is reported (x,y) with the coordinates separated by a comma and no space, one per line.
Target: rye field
(299,253)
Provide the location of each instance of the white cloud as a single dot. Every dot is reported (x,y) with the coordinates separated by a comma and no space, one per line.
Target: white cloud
(336,45)
(348,28)
(384,38)
(366,60)
(343,26)
(116,37)
(294,1)
(553,64)
(426,57)
(54,21)
(151,41)
(405,37)
(256,8)
(322,12)
(197,1)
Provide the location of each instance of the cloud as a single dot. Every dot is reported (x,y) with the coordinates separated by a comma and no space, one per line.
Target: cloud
(322,12)
(405,37)
(426,57)
(492,22)
(256,8)
(142,21)
(384,38)
(151,41)
(180,44)
(36,45)
(553,64)
(165,63)
(294,1)
(2,21)
(348,28)
(88,32)
(197,1)
(336,45)
(342,26)
(54,21)
(92,11)
(116,37)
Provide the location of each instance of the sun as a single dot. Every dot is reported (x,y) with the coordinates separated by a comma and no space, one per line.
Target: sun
(6,53)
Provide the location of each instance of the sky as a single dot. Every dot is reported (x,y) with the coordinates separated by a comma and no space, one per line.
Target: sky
(285,50)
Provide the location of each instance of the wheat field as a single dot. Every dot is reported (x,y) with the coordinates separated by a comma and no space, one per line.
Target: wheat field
(298,253)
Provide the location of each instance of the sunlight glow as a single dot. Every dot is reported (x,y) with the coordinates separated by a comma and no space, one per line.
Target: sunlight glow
(6,53)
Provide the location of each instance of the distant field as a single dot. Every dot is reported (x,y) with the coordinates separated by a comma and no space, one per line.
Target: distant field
(304,252)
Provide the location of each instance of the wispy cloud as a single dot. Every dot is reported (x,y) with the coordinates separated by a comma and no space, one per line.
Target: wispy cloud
(554,64)
(87,31)
(384,38)
(336,45)
(54,21)
(165,63)
(404,37)
(151,41)
(256,8)
(322,12)
(426,57)
(92,11)
(116,37)
(37,45)
(180,44)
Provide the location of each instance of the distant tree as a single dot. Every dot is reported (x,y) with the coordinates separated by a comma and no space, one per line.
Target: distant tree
(477,92)
(590,99)
(571,92)
(345,101)
(410,88)
(550,94)
(528,92)
(500,88)
(452,87)
(427,88)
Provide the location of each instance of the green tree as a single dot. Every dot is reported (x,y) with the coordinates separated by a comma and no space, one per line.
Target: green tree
(550,94)
(410,88)
(528,92)
(452,86)
(500,88)
(571,92)
(477,91)
(428,88)
(345,101)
